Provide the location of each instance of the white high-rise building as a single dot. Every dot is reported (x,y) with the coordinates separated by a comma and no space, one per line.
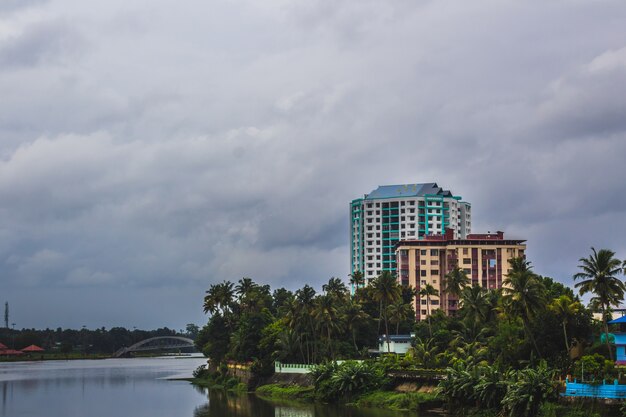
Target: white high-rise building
(392,213)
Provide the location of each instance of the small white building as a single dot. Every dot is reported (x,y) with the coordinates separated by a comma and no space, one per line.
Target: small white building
(398,343)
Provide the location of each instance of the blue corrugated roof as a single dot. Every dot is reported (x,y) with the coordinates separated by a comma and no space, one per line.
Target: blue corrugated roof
(404,190)
(619,320)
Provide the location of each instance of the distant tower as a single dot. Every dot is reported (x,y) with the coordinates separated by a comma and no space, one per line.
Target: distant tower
(6,314)
(394,213)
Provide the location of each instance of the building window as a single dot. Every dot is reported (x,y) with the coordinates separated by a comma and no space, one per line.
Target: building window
(434,252)
(434,272)
(467,261)
(423,252)
(423,272)
(423,282)
(423,302)
(465,251)
(422,261)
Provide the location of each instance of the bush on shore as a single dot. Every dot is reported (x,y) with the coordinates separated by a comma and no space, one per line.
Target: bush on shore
(398,400)
(334,382)
(217,380)
(286,392)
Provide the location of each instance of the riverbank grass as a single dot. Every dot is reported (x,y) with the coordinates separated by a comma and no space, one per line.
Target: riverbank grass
(286,392)
(398,400)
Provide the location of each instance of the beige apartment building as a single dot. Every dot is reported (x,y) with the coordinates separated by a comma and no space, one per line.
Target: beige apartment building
(483,257)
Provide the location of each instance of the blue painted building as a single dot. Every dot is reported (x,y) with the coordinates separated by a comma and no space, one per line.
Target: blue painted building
(620,342)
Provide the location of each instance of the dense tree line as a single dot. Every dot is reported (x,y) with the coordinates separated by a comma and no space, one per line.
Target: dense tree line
(531,318)
(102,340)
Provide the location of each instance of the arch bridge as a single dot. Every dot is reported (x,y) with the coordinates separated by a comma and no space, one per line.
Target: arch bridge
(156,343)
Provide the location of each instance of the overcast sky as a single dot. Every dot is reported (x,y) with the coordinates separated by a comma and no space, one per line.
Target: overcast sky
(149,148)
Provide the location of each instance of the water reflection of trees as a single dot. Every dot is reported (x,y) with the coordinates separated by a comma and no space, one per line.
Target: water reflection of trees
(222,404)
(233,405)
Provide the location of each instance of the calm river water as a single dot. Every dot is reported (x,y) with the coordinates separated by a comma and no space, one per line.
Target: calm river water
(134,388)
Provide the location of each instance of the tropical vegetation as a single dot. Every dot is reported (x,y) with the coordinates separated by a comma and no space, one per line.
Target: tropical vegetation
(501,350)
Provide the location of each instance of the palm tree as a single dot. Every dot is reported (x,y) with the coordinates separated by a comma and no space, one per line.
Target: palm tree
(305,303)
(455,281)
(523,295)
(219,297)
(386,291)
(399,312)
(244,286)
(357,279)
(353,316)
(599,276)
(428,291)
(335,288)
(475,304)
(424,352)
(565,308)
(326,317)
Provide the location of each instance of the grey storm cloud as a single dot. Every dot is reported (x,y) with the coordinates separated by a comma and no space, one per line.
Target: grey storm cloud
(148,150)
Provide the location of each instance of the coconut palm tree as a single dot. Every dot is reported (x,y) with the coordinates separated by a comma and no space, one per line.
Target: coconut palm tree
(565,308)
(357,279)
(386,291)
(244,286)
(353,317)
(335,288)
(523,295)
(219,297)
(454,282)
(475,304)
(326,318)
(399,312)
(428,291)
(305,303)
(599,276)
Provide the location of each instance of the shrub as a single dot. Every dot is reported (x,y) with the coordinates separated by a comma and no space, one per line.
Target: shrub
(200,372)
(350,379)
(594,368)
(529,390)
(396,400)
(459,385)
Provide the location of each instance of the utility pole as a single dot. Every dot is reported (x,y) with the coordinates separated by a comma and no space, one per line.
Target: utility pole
(6,314)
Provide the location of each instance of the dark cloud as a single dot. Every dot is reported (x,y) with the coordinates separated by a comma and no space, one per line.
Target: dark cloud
(149,151)
(15,5)
(49,43)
